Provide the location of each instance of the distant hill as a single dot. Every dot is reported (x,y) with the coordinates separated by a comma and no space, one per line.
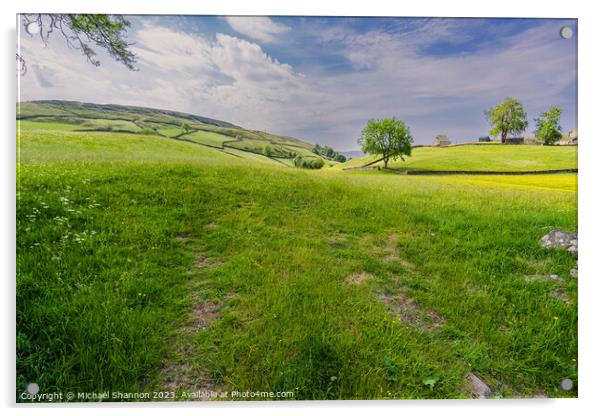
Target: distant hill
(56,107)
(481,157)
(352,154)
(204,131)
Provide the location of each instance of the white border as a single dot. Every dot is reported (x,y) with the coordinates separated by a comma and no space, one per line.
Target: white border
(589,200)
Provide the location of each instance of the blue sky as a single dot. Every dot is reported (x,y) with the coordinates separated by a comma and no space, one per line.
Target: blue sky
(321,78)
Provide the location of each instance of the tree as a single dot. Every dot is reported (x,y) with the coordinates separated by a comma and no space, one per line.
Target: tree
(340,158)
(80,31)
(548,126)
(388,137)
(506,118)
(268,151)
(328,152)
(308,162)
(186,128)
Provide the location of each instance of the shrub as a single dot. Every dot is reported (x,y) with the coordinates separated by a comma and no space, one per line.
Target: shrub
(268,151)
(328,153)
(309,162)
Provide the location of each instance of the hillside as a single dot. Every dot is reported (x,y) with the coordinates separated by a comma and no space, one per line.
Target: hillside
(480,157)
(209,133)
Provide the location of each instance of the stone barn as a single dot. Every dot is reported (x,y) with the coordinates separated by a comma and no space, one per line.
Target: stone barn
(514,140)
(570,139)
(441,140)
(533,141)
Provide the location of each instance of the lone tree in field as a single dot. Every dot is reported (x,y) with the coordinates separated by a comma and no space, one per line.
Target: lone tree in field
(506,118)
(186,128)
(388,137)
(548,126)
(82,30)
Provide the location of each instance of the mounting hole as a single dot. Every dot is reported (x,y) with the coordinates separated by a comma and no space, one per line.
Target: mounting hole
(33,28)
(566,32)
(32,388)
(566,384)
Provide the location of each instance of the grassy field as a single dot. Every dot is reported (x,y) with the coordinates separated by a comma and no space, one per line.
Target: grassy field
(482,157)
(146,263)
(76,116)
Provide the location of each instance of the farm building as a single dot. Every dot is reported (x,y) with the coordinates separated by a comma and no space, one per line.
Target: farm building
(533,141)
(571,139)
(484,139)
(441,140)
(514,140)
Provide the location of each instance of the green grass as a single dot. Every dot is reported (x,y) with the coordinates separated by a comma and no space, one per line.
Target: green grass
(483,158)
(207,137)
(41,147)
(205,131)
(107,124)
(120,238)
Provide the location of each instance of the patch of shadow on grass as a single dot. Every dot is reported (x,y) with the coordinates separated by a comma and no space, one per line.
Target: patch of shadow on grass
(407,310)
(357,278)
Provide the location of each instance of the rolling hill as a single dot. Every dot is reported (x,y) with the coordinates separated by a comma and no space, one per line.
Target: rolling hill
(481,157)
(225,137)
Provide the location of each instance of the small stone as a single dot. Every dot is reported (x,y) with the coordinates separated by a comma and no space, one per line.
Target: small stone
(542,277)
(479,388)
(574,273)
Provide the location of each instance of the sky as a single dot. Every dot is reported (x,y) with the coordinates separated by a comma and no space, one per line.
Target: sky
(321,79)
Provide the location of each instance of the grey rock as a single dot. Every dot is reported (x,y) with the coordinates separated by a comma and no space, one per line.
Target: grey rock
(561,239)
(479,388)
(574,273)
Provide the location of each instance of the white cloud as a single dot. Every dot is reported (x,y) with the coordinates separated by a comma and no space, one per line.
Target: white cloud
(440,93)
(235,80)
(225,77)
(260,28)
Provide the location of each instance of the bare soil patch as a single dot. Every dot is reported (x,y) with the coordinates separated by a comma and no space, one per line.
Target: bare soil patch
(337,241)
(407,310)
(357,278)
(204,262)
(560,295)
(391,252)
